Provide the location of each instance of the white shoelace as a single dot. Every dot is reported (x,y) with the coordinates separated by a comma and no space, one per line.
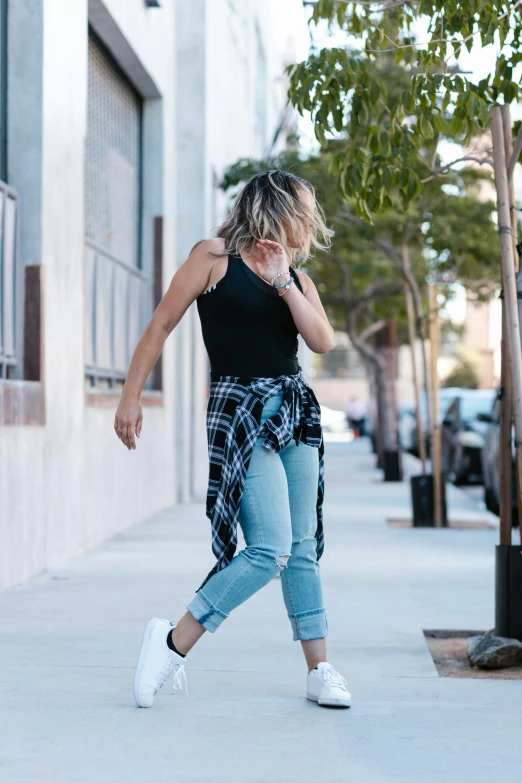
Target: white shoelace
(180,678)
(332,677)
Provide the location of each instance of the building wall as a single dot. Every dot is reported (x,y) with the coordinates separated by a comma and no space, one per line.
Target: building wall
(477,337)
(70,483)
(218,123)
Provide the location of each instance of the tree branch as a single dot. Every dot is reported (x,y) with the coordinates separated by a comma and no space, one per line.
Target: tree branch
(372,291)
(388,247)
(443,169)
(396,259)
(385,5)
(437,139)
(372,329)
(366,351)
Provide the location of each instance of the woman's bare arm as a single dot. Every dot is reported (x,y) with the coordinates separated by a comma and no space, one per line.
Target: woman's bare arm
(306,308)
(187,284)
(309,315)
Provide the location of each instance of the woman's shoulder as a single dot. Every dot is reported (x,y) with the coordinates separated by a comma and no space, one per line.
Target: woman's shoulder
(209,261)
(209,248)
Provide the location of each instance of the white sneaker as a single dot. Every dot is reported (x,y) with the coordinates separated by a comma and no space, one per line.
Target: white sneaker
(156,663)
(326,686)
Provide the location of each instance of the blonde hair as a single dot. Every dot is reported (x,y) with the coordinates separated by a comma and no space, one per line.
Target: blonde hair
(269,207)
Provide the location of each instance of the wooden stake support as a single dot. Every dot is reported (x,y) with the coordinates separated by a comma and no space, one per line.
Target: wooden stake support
(506,391)
(509,283)
(435,436)
(421,440)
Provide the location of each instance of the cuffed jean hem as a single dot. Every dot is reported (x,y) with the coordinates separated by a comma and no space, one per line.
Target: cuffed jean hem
(309,625)
(205,612)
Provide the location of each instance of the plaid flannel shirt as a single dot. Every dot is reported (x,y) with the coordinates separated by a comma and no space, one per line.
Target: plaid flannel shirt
(233,424)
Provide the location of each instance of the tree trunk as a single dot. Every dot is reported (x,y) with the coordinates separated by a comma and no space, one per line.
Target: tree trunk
(376,422)
(421,331)
(385,409)
(387,351)
(378,372)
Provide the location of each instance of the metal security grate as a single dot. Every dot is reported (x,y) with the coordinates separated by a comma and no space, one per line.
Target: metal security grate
(116,289)
(8,277)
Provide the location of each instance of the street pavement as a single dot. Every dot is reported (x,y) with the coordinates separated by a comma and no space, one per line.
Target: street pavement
(70,640)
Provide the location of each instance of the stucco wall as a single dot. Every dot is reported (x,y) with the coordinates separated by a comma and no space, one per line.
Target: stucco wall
(70,484)
(217,65)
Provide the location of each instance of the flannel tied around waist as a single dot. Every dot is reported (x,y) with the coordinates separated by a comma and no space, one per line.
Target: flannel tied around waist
(234,413)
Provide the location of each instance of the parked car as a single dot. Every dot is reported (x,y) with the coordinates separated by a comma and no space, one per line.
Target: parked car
(332,420)
(463,435)
(408,436)
(407,426)
(491,463)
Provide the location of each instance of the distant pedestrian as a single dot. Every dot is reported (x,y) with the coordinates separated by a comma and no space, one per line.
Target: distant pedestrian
(356,415)
(263,425)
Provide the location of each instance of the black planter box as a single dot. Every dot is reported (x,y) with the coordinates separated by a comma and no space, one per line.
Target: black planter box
(392,466)
(422,501)
(508,591)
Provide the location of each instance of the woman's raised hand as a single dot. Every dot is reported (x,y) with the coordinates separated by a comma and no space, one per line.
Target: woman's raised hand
(275,260)
(128,421)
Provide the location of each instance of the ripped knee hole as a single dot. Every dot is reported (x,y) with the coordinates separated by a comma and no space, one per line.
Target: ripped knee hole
(282,561)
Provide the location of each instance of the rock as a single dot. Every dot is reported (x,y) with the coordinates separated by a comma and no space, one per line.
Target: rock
(494,652)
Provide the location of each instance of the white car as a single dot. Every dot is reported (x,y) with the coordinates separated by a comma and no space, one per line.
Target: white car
(332,420)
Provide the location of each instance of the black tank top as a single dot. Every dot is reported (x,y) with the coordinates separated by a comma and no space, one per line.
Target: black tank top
(248,329)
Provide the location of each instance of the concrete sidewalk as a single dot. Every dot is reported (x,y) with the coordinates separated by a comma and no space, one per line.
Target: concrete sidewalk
(70,641)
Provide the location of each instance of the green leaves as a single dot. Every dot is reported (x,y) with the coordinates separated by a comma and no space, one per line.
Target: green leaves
(407,101)
(426,128)
(441,124)
(387,102)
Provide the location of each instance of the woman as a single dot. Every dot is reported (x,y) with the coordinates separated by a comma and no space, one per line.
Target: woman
(263,424)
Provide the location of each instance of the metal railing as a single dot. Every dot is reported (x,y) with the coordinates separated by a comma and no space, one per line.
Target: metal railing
(9,274)
(116,306)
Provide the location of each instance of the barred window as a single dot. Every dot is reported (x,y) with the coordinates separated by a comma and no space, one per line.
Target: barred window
(116,285)
(9,266)
(8,280)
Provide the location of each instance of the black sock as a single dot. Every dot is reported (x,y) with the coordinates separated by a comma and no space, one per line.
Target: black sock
(172,646)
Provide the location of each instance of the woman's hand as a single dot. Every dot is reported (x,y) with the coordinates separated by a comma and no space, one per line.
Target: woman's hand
(275,261)
(128,421)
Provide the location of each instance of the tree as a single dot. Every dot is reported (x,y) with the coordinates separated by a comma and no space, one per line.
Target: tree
(387,156)
(362,280)
(385,138)
(359,287)
(387,134)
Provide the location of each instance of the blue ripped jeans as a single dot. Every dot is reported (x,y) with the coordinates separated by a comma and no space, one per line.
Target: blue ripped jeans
(278,518)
